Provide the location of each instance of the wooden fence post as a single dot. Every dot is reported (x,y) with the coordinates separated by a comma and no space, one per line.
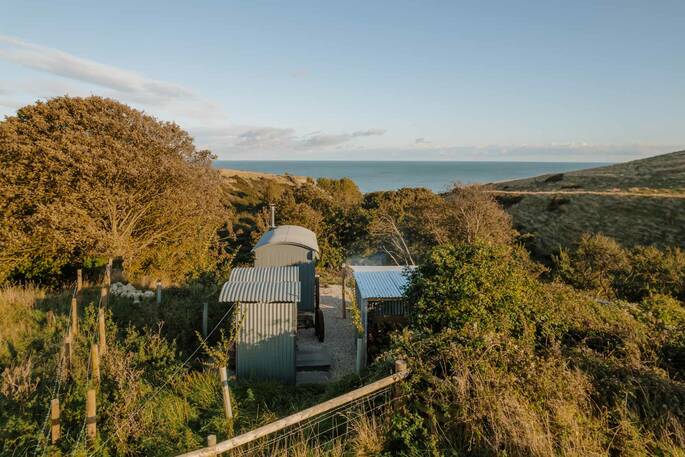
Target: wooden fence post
(227,395)
(95,362)
(211,442)
(400,367)
(79,280)
(54,420)
(91,418)
(334,404)
(68,350)
(205,319)
(102,342)
(74,316)
(104,296)
(344,279)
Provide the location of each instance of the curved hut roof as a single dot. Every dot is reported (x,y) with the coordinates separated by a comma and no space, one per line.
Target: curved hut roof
(291,235)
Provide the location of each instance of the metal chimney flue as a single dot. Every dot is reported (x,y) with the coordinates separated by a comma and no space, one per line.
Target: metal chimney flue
(273,215)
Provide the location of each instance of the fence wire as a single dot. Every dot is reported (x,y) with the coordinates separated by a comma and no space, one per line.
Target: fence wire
(325,432)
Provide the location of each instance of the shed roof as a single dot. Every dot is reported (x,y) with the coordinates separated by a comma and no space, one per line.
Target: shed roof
(269,292)
(265,274)
(381,281)
(289,234)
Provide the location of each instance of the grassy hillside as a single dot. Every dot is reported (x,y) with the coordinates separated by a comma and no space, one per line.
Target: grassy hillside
(639,203)
(663,173)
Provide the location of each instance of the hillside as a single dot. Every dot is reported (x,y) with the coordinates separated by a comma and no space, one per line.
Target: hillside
(641,202)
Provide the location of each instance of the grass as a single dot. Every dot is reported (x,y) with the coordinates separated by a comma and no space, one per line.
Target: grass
(662,173)
(633,220)
(632,215)
(149,402)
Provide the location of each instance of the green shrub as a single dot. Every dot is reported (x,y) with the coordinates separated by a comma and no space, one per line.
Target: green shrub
(594,265)
(504,364)
(472,288)
(600,264)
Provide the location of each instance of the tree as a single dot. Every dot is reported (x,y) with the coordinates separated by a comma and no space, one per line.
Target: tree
(91,177)
(343,190)
(474,215)
(329,211)
(407,223)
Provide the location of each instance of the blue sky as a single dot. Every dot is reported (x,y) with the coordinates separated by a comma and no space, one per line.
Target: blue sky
(548,80)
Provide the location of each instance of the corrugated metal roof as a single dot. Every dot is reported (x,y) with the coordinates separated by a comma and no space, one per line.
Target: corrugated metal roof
(260,292)
(265,274)
(381,282)
(289,234)
(399,268)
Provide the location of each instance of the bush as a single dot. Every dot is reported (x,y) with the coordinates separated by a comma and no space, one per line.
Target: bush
(594,265)
(474,287)
(504,364)
(653,271)
(600,264)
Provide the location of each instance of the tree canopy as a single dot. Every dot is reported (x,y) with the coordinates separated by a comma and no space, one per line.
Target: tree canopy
(83,178)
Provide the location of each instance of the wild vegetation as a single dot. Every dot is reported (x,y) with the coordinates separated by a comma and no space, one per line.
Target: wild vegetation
(507,364)
(638,203)
(584,356)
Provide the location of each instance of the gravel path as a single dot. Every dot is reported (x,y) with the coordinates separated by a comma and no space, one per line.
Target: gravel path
(340,333)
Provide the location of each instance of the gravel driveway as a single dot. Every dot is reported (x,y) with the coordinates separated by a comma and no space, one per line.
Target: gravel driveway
(340,333)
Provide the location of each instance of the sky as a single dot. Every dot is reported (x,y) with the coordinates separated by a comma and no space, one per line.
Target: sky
(511,80)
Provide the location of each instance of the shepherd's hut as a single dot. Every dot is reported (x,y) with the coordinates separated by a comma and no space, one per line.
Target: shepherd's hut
(266,301)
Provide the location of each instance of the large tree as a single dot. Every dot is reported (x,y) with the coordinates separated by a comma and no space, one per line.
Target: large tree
(82,178)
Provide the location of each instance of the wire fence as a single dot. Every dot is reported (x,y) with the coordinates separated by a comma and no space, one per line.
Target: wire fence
(324,432)
(330,426)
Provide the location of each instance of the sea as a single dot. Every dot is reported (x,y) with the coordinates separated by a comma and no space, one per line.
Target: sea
(373,176)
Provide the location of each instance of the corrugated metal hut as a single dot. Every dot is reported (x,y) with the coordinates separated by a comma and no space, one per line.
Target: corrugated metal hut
(267,312)
(291,245)
(379,293)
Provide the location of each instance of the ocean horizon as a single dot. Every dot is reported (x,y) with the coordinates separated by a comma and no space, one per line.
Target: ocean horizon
(438,176)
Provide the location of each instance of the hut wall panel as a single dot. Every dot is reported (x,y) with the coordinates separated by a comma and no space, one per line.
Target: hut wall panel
(266,342)
(282,255)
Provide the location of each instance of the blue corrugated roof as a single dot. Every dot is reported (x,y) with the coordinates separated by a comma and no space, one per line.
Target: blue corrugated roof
(381,282)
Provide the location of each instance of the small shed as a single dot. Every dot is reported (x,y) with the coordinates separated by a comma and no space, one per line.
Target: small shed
(379,293)
(291,245)
(267,313)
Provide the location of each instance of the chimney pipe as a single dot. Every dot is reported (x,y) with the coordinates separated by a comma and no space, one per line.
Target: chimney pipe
(273,215)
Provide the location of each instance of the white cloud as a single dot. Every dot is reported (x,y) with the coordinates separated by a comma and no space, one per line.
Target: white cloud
(109,80)
(324,140)
(265,140)
(60,63)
